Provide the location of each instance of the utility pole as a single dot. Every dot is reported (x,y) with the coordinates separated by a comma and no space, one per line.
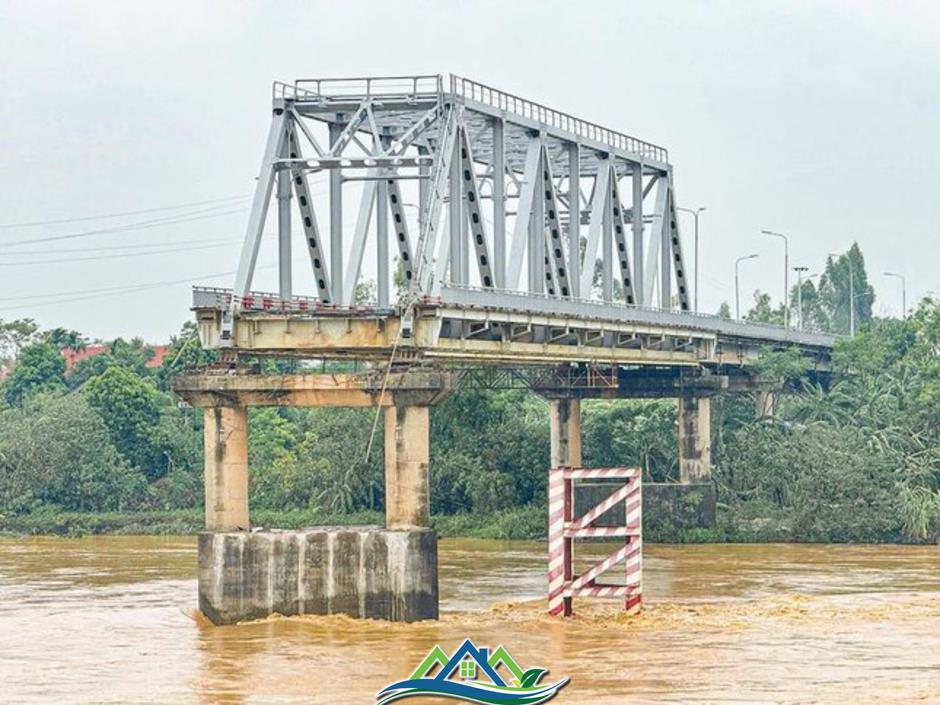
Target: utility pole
(786,274)
(737,287)
(799,293)
(903,292)
(695,213)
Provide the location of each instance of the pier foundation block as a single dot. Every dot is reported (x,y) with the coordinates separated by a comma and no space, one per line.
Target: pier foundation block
(364,571)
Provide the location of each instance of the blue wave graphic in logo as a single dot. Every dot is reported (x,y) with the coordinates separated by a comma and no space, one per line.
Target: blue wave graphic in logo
(471,692)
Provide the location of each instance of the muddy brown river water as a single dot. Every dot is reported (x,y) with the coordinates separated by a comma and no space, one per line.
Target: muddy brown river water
(113,620)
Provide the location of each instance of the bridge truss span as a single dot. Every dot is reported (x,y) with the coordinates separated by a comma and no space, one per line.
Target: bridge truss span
(473,185)
(463,223)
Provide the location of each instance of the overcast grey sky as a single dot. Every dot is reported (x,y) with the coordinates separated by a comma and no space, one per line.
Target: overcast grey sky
(819,119)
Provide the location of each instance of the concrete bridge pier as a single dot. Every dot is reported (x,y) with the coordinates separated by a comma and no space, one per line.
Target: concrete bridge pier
(407,457)
(366,571)
(565,427)
(695,442)
(225,438)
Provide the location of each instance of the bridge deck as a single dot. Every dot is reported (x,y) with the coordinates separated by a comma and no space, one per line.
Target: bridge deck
(467,325)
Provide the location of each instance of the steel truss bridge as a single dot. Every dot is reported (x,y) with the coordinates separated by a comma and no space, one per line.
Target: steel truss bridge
(560,244)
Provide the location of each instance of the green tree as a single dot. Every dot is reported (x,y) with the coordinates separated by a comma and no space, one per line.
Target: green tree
(40,367)
(844,283)
(185,354)
(14,335)
(63,338)
(56,452)
(764,311)
(130,408)
(815,313)
(632,432)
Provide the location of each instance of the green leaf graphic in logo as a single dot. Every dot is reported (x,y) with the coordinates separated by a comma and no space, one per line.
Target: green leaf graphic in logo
(531,677)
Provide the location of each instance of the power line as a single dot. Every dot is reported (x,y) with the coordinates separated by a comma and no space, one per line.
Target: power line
(36,223)
(113,248)
(119,291)
(122,255)
(140,211)
(123,289)
(202,214)
(140,225)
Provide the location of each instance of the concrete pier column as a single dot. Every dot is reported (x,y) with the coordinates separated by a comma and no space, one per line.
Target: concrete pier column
(695,442)
(565,425)
(407,454)
(226,470)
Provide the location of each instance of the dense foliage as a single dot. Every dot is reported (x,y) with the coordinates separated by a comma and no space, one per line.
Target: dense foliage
(859,461)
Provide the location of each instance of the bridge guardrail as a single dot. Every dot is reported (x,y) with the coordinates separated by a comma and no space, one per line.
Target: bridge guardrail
(495,98)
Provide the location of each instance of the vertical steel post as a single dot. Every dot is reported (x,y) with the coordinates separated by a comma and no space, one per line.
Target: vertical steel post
(424,187)
(574,215)
(665,256)
(556,542)
(336,220)
(569,545)
(464,243)
(637,217)
(381,235)
(284,230)
(455,215)
(536,261)
(607,242)
(499,203)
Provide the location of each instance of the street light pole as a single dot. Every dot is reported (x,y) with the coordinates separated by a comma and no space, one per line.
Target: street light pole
(737,287)
(786,273)
(903,293)
(695,214)
(799,293)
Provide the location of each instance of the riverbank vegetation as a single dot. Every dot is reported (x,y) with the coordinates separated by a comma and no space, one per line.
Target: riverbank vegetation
(105,447)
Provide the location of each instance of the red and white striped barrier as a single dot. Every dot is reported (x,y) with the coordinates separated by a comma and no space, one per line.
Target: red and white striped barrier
(563,528)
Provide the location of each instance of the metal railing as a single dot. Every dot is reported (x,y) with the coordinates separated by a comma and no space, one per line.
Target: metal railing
(501,100)
(206,297)
(403,88)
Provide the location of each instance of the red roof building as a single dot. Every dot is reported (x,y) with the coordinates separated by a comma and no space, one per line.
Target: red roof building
(73,357)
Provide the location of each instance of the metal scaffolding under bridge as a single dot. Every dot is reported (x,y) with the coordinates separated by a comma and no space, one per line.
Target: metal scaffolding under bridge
(560,243)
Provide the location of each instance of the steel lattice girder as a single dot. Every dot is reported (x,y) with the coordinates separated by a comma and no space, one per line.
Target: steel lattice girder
(418,126)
